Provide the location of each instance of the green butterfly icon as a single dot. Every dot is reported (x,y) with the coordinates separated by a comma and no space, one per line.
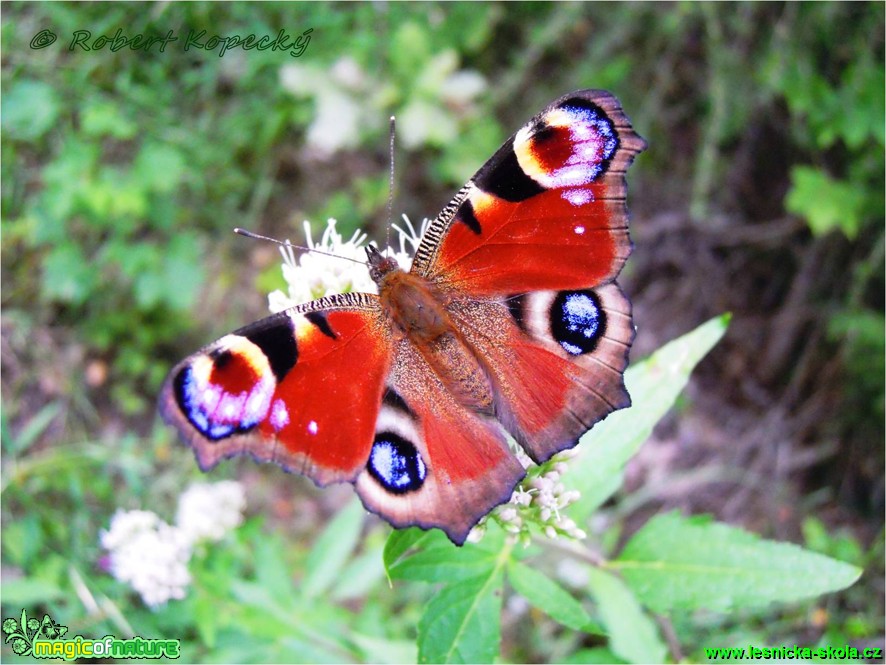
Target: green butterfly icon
(51,630)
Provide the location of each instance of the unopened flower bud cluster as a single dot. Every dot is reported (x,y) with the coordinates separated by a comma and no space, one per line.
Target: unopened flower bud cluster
(152,556)
(540,501)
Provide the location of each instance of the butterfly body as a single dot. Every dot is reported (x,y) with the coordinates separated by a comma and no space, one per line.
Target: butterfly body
(417,313)
(415,308)
(509,323)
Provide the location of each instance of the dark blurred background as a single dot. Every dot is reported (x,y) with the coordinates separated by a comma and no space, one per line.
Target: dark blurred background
(761,194)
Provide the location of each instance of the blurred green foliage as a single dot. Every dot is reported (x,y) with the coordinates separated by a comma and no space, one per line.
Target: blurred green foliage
(839,119)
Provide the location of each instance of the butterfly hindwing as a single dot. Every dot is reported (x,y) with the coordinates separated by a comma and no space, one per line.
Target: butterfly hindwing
(434,462)
(556,359)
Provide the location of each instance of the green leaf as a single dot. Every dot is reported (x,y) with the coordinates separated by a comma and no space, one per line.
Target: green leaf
(841,545)
(271,567)
(591,656)
(380,650)
(103,118)
(29,109)
(401,541)
(159,168)
(445,564)
(825,203)
(206,617)
(679,563)
(33,429)
(360,576)
(548,596)
(462,622)
(28,592)
(633,635)
(409,49)
(332,549)
(654,385)
(65,179)
(67,276)
(183,271)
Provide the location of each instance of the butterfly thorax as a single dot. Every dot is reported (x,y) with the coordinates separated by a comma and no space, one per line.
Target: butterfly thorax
(418,312)
(415,307)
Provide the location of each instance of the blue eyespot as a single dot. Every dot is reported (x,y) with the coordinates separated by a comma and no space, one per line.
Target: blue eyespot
(396,464)
(577,321)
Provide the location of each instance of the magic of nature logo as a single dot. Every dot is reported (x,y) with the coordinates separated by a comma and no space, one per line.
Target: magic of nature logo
(44,639)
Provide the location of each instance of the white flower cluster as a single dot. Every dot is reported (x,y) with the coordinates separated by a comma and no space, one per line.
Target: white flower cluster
(348,103)
(208,511)
(152,556)
(539,500)
(149,555)
(337,265)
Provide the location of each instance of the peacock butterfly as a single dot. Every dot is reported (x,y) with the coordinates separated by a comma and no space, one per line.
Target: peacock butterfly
(509,322)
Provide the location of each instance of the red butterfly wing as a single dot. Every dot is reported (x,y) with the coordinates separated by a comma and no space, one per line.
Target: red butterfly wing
(546,212)
(301,388)
(528,252)
(325,390)
(556,359)
(434,461)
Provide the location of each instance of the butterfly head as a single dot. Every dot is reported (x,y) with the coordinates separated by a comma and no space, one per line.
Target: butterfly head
(380,265)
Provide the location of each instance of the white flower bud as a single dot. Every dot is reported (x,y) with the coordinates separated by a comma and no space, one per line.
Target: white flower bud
(476,534)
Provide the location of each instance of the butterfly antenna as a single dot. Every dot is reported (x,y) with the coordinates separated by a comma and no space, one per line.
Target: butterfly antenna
(286,243)
(391,185)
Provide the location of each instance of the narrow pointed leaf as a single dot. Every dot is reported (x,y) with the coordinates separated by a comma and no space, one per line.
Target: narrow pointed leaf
(654,385)
(633,634)
(402,540)
(548,596)
(678,563)
(332,549)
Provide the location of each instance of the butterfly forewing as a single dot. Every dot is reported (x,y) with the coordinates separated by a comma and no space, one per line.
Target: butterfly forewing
(546,212)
